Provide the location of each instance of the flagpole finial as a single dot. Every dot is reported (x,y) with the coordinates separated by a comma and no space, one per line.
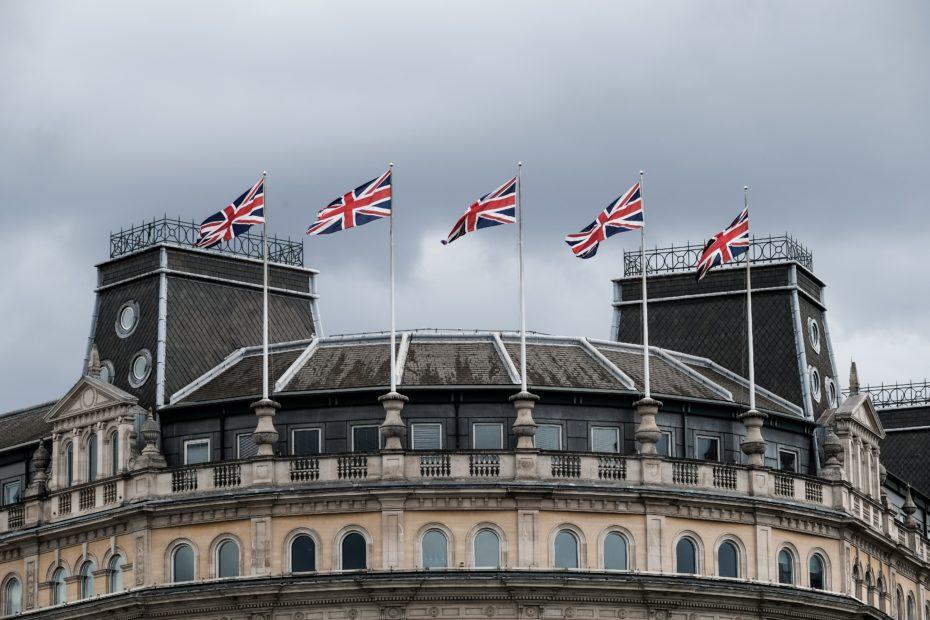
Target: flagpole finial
(390,164)
(745,188)
(519,164)
(264,173)
(641,173)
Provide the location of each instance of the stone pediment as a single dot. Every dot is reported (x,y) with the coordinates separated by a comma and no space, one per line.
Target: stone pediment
(858,410)
(90,396)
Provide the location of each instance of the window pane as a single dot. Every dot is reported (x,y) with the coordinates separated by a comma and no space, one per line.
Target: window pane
(69,464)
(566,550)
(435,550)
(303,555)
(116,573)
(686,557)
(664,445)
(227,559)
(87,579)
(549,437)
(92,458)
(816,571)
(487,549)
(11,492)
(183,563)
(728,560)
(615,552)
(785,567)
(306,441)
(604,439)
(708,448)
(427,436)
(365,438)
(487,436)
(114,454)
(13,598)
(196,452)
(353,552)
(247,447)
(787,461)
(61,589)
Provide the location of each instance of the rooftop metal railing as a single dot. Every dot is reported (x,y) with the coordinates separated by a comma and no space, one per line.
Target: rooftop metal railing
(179,232)
(682,258)
(887,395)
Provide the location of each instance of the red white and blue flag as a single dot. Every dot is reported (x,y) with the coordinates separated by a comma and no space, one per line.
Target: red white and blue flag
(726,245)
(623,214)
(236,218)
(498,207)
(366,203)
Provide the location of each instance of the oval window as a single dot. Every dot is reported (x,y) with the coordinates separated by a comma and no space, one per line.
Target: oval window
(816,387)
(813,332)
(106,371)
(127,318)
(140,367)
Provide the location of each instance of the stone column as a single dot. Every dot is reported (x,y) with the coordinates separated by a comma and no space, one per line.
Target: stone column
(394,431)
(647,432)
(753,446)
(524,428)
(265,434)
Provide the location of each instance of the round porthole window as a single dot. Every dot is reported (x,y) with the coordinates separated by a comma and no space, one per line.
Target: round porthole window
(830,386)
(813,332)
(106,371)
(816,387)
(140,367)
(127,318)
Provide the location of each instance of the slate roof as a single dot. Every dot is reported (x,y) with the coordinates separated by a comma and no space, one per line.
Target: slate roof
(25,425)
(904,454)
(472,359)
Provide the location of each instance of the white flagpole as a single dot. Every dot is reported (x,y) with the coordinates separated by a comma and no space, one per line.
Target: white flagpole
(752,367)
(522,296)
(265,289)
(647,392)
(391,261)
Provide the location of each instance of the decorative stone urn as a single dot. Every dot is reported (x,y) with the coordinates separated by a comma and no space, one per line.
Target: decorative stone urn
(150,456)
(265,434)
(524,427)
(753,445)
(393,428)
(40,461)
(647,432)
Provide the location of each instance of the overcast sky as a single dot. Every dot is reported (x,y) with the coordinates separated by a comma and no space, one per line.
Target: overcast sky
(113,112)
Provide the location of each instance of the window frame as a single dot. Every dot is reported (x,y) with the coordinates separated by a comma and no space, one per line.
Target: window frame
(616,429)
(188,442)
(59,586)
(113,571)
(715,438)
(695,546)
(86,584)
(555,541)
(172,558)
(628,547)
(92,462)
(670,436)
(225,540)
(293,537)
(500,429)
(239,456)
(797,459)
(413,435)
(352,436)
(365,545)
(474,547)
(448,551)
(737,548)
(792,562)
(10,482)
(550,425)
(305,429)
(114,452)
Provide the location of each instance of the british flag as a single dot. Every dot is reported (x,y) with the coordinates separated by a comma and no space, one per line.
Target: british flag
(236,218)
(368,202)
(726,245)
(494,209)
(623,214)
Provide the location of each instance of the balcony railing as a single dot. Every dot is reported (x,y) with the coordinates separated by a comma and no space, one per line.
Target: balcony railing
(885,396)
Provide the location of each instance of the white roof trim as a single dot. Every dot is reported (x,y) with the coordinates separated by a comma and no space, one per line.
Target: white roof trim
(505,357)
(298,363)
(231,360)
(703,380)
(401,357)
(612,368)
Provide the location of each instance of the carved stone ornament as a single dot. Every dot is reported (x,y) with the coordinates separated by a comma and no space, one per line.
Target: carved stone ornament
(265,434)
(151,456)
(647,432)
(524,427)
(393,427)
(753,446)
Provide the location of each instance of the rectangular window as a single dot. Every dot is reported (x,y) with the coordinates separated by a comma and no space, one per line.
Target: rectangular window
(548,437)
(487,436)
(246,446)
(426,436)
(366,438)
(196,451)
(605,439)
(788,461)
(10,492)
(665,446)
(305,441)
(707,448)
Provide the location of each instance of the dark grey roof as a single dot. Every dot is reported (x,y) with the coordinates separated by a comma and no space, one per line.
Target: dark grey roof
(25,425)
(904,454)
(472,359)
(905,417)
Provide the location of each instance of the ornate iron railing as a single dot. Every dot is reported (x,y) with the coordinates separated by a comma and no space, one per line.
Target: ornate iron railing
(677,258)
(168,230)
(897,394)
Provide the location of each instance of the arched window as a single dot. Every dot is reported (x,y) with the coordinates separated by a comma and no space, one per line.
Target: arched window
(785,567)
(857,581)
(227,559)
(115,577)
(616,555)
(69,464)
(303,554)
(182,563)
(87,579)
(566,550)
(882,593)
(435,549)
(899,605)
(870,588)
(354,552)
(92,458)
(59,588)
(817,573)
(686,557)
(114,453)
(12,597)
(911,608)
(487,549)
(728,559)
(927,611)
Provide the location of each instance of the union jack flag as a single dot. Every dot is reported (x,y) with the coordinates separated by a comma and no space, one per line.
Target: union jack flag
(726,245)
(623,214)
(498,207)
(236,218)
(368,202)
